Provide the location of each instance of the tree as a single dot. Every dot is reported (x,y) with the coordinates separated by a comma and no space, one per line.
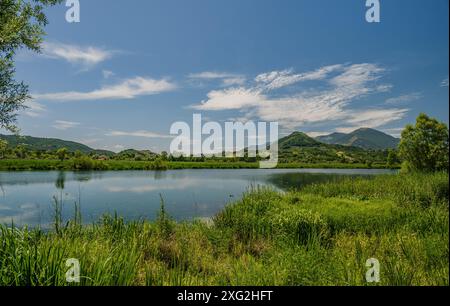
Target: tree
(78,154)
(3,147)
(21,26)
(21,151)
(62,153)
(164,155)
(392,159)
(424,147)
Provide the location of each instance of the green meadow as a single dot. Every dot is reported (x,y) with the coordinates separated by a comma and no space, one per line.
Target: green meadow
(320,235)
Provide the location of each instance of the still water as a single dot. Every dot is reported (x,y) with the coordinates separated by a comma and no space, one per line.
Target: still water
(27,198)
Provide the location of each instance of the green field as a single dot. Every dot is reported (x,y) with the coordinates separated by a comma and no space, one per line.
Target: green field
(321,235)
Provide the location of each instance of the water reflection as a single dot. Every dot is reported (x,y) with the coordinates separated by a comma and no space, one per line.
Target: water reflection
(59,184)
(27,196)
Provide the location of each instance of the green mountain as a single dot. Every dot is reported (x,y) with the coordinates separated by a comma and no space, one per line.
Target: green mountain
(50,144)
(363,138)
(297,139)
(299,147)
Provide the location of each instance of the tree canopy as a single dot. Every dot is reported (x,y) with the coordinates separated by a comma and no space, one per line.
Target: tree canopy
(424,147)
(21,26)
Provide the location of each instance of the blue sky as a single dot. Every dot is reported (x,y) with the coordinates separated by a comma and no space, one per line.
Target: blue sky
(128,70)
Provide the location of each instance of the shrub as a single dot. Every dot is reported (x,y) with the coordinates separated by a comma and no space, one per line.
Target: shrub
(86,163)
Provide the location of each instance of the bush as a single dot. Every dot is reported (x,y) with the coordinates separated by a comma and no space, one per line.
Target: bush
(86,163)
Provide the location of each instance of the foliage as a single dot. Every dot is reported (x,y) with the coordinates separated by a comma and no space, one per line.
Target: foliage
(62,153)
(296,150)
(3,147)
(21,25)
(424,147)
(392,159)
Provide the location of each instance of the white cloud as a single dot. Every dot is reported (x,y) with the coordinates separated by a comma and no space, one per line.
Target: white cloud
(238,80)
(231,98)
(396,132)
(317,134)
(33,109)
(404,98)
(444,83)
(85,56)
(373,118)
(119,147)
(384,87)
(332,102)
(278,79)
(107,74)
(345,130)
(140,133)
(358,75)
(208,75)
(128,89)
(65,125)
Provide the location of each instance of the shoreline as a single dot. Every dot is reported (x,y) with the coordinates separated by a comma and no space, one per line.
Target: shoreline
(12,165)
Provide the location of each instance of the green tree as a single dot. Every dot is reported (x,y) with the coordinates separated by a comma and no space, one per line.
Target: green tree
(392,158)
(20,151)
(21,26)
(164,155)
(78,154)
(3,147)
(62,153)
(424,147)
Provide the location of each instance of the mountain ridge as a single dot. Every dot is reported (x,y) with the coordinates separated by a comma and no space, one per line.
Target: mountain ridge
(50,144)
(366,138)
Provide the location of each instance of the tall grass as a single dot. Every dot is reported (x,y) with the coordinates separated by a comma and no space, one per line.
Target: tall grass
(321,235)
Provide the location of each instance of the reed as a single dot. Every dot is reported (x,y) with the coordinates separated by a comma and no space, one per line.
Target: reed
(320,235)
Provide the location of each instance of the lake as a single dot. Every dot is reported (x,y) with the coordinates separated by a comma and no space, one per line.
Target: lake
(26,198)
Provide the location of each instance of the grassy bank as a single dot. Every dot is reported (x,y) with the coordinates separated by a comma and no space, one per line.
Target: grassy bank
(86,164)
(321,235)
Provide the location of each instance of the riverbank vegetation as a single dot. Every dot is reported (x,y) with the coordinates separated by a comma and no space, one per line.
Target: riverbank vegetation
(297,150)
(320,235)
(88,164)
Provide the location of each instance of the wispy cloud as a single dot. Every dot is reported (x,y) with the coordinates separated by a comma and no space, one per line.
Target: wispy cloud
(33,109)
(340,86)
(231,98)
(127,89)
(444,83)
(65,125)
(107,74)
(227,79)
(396,132)
(140,133)
(404,98)
(373,118)
(85,56)
(278,79)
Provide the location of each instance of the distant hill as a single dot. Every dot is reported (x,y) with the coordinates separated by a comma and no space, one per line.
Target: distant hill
(299,147)
(297,139)
(363,138)
(50,144)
